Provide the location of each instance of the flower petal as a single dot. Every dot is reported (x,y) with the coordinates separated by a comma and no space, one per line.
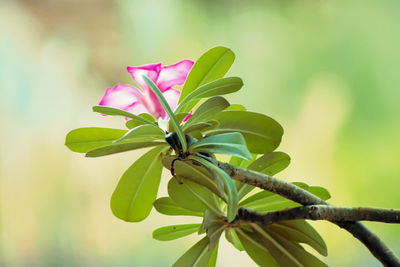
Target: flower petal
(188,116)
(154,107)
(152,104)
(121,96)
(137,108)
(174,74)
(172,97)
(152,71)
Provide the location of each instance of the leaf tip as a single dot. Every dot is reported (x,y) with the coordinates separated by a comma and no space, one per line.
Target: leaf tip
(95,108)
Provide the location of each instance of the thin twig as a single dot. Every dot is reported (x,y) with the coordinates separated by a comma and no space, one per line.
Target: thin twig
(301,196)
(320,212)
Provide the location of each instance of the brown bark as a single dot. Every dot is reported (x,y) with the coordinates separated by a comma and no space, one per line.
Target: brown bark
(290,191)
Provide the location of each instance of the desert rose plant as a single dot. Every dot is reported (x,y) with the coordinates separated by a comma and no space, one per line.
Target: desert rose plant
(186,132)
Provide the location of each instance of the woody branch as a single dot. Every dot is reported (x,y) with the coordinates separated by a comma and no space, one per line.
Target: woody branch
(290,191)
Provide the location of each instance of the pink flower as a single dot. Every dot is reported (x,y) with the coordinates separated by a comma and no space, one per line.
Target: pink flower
(143,100)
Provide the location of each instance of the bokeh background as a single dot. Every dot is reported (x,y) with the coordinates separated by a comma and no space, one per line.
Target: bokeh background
(328,71)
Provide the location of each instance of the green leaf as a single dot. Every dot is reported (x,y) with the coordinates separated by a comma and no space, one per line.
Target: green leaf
(214,227)
(242,163)
(119,112)
(192,196)
(179,117)
(201,126)
(208,109)
(173,232)
(227,143)
(232,237)
(243,189)
(239,162)
(82,140)
(212,65)
(166,206)
(143,131)
(262,133)
(300,231)
(196,134)
(137,189)
(216,88)
(285,253)
(236,107)
(267,201)
(229,186)
(271,163)
(304,257)
(197,128)
(320,192)
(255,249)
(118,148)
(133,123)
(235,161)
(197,174)
(167,109)
(197,256)
(213,261)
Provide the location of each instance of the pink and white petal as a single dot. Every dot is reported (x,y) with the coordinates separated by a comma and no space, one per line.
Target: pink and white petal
(152,71)
(188,116)
(172,97)
(174,74)
(121,96)
(152,104)
(137,108)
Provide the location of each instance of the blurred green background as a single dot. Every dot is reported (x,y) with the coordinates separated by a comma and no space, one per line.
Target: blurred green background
(328,71)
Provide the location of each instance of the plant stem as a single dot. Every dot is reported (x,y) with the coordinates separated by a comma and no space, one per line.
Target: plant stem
(168,110)
(320,212)
(301,196)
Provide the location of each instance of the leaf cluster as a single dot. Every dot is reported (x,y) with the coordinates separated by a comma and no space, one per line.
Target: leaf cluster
(197,186)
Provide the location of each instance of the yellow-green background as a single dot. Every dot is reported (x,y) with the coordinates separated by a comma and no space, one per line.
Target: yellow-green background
(328,71)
